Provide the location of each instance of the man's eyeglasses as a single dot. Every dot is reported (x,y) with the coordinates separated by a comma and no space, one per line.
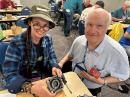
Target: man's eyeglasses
(37,26)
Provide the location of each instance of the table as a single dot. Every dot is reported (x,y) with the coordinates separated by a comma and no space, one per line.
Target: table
(124,26)
(10,32)
(5,19)
(4,11)
(9,21)
(12,19)
(74,83)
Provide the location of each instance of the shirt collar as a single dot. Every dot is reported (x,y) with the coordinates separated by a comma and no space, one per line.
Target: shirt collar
(100,48)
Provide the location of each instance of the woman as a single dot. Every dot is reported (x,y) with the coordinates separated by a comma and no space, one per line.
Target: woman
(30,54)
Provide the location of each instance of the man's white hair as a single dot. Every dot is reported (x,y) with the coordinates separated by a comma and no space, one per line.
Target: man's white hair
(109,18)
(127,3)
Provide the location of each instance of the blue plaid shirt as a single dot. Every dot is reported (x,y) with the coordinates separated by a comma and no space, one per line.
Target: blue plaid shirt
(14,60)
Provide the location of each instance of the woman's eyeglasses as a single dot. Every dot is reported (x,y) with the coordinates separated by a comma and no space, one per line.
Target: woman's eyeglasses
(37,26)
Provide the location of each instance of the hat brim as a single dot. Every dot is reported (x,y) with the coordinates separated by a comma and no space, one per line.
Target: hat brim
(48,18)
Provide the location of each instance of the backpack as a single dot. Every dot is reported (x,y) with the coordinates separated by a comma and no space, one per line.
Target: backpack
(117,31)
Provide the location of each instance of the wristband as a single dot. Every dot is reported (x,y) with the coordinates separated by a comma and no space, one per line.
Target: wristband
(59,67)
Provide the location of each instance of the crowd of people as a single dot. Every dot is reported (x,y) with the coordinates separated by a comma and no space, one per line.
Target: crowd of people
(30,56)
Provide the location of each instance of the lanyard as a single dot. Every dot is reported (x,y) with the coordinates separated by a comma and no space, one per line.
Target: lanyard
(83,61)
(125,14)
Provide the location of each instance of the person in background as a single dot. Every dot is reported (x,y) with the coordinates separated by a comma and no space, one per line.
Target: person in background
(7,4)
(97,58)
(70,7)
(60,4)
(51,1)
(125,41)
(98,4)
(122,13)
(30,56)
(86,4)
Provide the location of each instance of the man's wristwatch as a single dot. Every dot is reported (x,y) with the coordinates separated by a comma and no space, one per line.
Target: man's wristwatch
(26,87)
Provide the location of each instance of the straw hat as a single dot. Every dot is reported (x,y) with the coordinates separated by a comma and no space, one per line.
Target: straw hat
(41,12)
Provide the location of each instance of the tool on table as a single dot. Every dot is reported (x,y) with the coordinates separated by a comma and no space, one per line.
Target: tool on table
(65,83)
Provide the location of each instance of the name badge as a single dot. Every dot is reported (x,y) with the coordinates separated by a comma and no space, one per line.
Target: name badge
(67,10)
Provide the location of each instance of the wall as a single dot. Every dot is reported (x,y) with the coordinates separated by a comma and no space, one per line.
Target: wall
(18,2)
(110,5)
(33,2)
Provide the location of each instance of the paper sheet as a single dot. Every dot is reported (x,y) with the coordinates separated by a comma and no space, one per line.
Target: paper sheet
(5,93)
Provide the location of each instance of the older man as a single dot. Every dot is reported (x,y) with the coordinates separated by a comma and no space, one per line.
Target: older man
(98,4)
(122,13)
(97,58)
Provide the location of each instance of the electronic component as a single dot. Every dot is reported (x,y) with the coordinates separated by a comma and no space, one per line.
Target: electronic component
(54,84)
(65,83)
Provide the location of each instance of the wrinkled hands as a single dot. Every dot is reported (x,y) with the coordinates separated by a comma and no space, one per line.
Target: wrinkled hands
(92,78)
(39,88)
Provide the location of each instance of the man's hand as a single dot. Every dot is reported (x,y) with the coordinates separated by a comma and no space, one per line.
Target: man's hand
(56,71)
(92,78)
(39,88)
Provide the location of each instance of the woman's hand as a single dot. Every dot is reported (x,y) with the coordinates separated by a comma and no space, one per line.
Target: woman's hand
(39,88)
(56,71)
